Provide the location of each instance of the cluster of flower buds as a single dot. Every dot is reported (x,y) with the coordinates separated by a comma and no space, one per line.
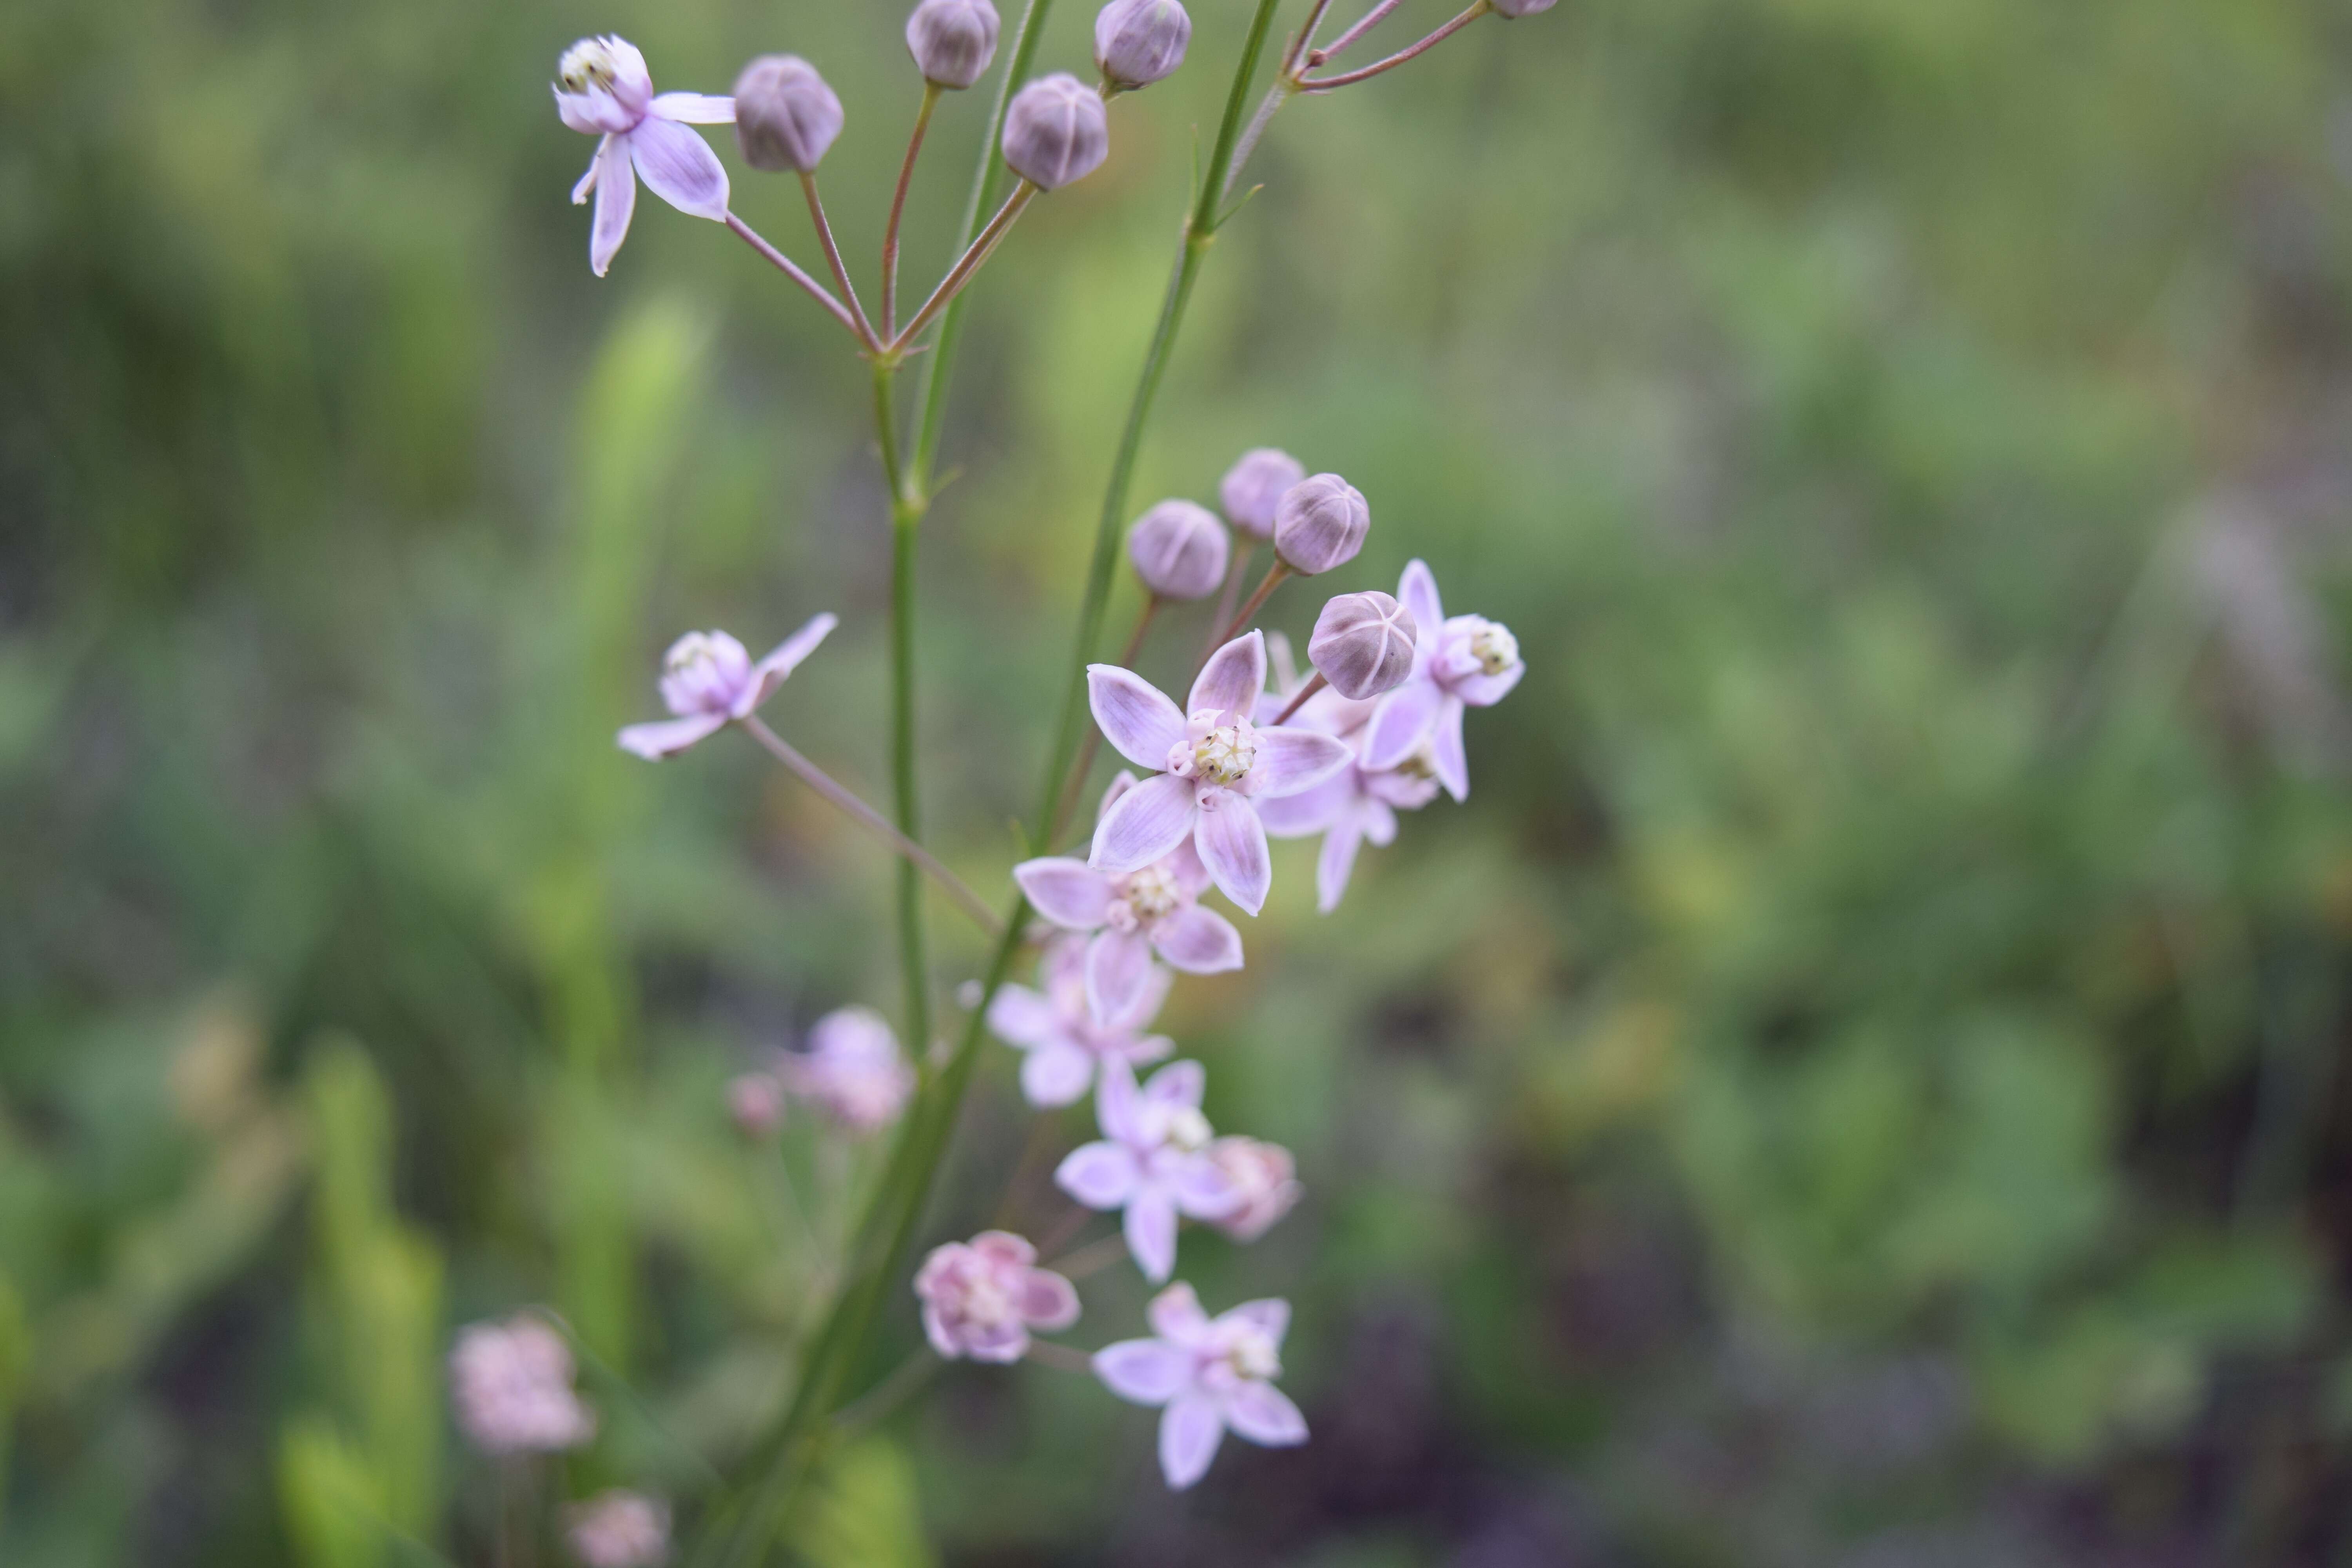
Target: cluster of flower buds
(510,1383)
(618,1529)
(853,1070)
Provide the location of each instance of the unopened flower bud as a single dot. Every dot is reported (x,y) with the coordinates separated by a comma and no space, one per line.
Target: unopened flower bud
(1521,8)
(1253,487)
(1138,42)
(1055,131)
(756,1102)
(953,40)
(1179,550)
(1320,523)
(785,115)
(1363,644)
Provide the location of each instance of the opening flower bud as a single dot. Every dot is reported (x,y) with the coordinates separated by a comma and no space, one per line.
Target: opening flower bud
(1363,644)
(1253,487)
(953,40)
(1179,550)
(785,115)
(1320,523)
(1138,42)
(1055,131)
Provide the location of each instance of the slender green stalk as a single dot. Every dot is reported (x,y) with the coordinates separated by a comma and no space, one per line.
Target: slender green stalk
(905,524)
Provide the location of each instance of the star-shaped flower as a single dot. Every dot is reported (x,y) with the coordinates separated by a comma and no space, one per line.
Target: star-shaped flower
(1060,1033)
(1212,1375)
(709,681)
(1466,660)
(1153,1159)
(603,89)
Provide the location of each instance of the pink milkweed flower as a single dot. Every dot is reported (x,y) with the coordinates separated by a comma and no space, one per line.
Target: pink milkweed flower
(1354,806)
(603,89)
(852,1068)
(1058,1029)
(510,1383)
(1466,660)
(1264,1180)
(982,1298)
(618,1529)
(1217,761)
(1212,1375)
(1152,1161)
(1152,909)
(709,681)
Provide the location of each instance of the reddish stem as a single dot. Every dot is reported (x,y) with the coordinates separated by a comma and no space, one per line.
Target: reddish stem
(791,269)
(1325,84)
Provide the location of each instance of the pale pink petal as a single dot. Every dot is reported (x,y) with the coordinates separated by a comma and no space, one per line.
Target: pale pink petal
(1175,1315)
(1203,1190)
(1189,1431)
(1149,821)
(1058,1074)
(1143,1007)
(667,737)
(1003,1345)
(1048,1301)
(1199,941)
(1290,761)
(1178,1083)
(1115,1103)
(588,180)
(1401,723)
(617,198)
(1026,1019)
(769,672)
(1118,966)
(1484,690)
(1230,682)
(1264,1414)
(1120,782)
(1269,1315)
(1004,1246)
(680,167)
(694,108)
(1378,820)
(1453,762)
(935,1329)
(1099,1175)
(1134,715)
(1417,592)
(1069,892)
(1231,842)
(1185,864)
(1335,860)
(1144,1371)
(1309,811)
(1151,1227)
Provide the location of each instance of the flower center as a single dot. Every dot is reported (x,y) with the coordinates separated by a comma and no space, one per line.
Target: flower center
(1225,755)
(1150,894)
(1187,1130)
(1252,1355)
(1494,647)
(590,63)
(1422,763)
(692,654)
(985,1302)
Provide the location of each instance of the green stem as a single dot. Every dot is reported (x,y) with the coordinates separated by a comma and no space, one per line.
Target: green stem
(905,524)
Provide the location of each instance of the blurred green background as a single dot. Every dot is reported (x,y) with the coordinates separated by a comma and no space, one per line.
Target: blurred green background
(1861,1083)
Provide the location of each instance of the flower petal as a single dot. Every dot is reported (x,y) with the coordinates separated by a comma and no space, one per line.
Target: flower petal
(1144,1006)
(1183,863)
(1401,723)
(781,660)
(693,107)
(1309,811)
(935,1329)
(1230,682)
(1417,592)
(1199,941)
(588,180)
(1290,761)
(1175,1315)
(1231,842)
(1484,690)
(1099,1175)
(1264,1415)
(1025,1019)
(1058,1074)
(1453,762)
(1377,818)
(1069,892)
(1144,1371)
(1115,1103)
(667,737)
(1134,715)
(617,198)
(1120,782)
(1151,1227)
(680,167)
(1269,1315)
(1048,1301)
(1118,966)
(1335,860)
(1148,822)
(1189,1431)
(1004,1245)
(1203,1190)
(1178,1083)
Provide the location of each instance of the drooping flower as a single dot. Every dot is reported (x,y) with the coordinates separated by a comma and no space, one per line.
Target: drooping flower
(618,1529)
(1211,1375)
(603,89)
(708,681)
(1355,806)
(1152,909)
(510,1383)
(1218,763)
(852,1068)
(1057,1028)
(1466,660)
(1152,1160)
(1264,1180)
(981,1297)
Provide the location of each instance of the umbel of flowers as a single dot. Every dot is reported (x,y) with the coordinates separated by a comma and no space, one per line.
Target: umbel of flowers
(1254,749)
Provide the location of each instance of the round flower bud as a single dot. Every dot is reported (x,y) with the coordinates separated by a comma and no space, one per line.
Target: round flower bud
(1363,644)
(785,115)
(953,40)
(1521,7)
(1252,487)
(1179,550)
(1137,42)
(1056,130)
(1320,523)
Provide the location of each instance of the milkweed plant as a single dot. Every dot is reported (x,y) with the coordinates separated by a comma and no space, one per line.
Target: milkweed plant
(1254,747)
